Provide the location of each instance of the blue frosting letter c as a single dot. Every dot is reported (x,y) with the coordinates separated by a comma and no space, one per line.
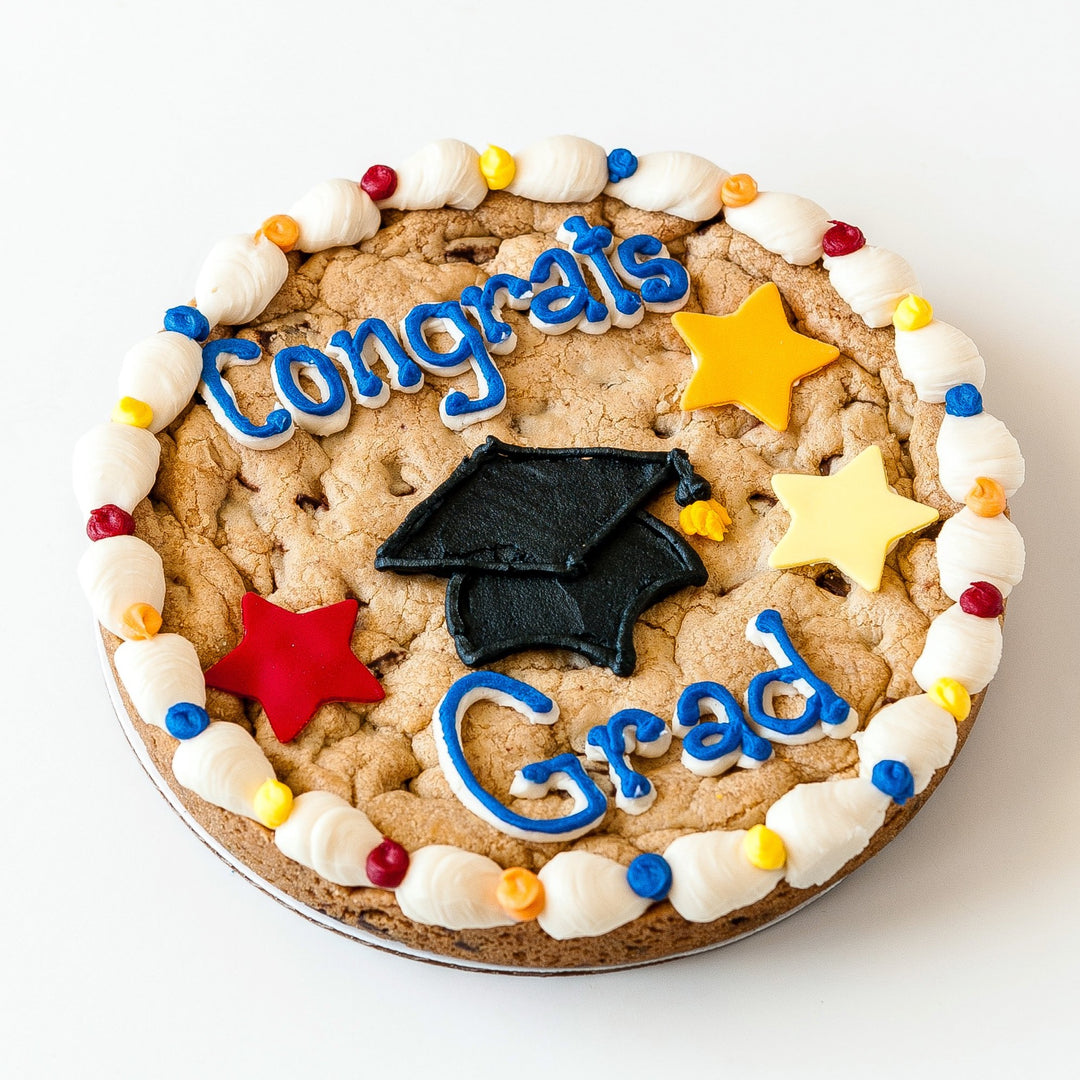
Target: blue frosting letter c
(220,399)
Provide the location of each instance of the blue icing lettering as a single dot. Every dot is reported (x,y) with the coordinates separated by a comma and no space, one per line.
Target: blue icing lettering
(486,306)
(358,350)
(664,282)
(457,409)
(556,296)
(449,318)
(564,772)
(561,298)
(217,357)
(629,731)
(591,245)
(824,711)
(711,747)
(320,417)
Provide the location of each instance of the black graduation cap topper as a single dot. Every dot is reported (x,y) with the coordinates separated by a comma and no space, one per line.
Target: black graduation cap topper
(550,547)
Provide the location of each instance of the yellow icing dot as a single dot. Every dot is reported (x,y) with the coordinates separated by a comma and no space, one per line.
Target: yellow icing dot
(134,412)
(764,848)
(704,518)
(986,498)
(272,803)
(738,190)
(497,167)
(281,230)
(952,697)
(912,313)
(520,894)
(141,621)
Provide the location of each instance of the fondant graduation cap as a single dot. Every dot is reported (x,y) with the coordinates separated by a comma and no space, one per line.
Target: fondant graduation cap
(550,547)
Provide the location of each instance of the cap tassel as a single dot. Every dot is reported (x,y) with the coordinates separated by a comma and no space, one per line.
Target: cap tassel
(692,487)
(706,517)
(701,514)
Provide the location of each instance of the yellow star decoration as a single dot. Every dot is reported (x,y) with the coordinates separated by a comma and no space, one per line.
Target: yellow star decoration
(849,519)
(751,357)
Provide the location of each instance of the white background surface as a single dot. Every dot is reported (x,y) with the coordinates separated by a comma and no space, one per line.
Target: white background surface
(134,135)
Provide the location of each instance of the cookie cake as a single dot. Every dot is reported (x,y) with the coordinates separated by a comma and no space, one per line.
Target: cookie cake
(549,561)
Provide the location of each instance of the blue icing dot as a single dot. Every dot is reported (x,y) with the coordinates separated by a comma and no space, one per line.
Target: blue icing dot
(649,876)
(963,400)
(189,321)
(894,779)
(185,721)
(620,165)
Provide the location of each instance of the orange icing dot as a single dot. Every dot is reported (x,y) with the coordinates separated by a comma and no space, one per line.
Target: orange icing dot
(142,621)
(134,412)
(520,894)
(986,498)
(282,231)
(738,190)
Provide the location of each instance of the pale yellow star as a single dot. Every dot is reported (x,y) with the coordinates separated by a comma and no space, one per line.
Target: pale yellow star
(751,357)
(850,519)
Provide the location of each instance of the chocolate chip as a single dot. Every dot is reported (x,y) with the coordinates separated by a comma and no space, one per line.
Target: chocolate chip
(833,581)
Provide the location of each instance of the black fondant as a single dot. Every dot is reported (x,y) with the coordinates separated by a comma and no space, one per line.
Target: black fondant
(549,548)
(491,614)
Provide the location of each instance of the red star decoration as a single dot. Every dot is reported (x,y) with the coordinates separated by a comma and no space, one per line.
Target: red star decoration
(293,663)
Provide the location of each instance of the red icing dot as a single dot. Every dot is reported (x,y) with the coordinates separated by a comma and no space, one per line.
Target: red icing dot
(842,239)
(109,520)
(386,864)
(380,182)
(982,599)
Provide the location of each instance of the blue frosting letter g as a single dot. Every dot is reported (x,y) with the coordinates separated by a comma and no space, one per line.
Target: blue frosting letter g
(564,772)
